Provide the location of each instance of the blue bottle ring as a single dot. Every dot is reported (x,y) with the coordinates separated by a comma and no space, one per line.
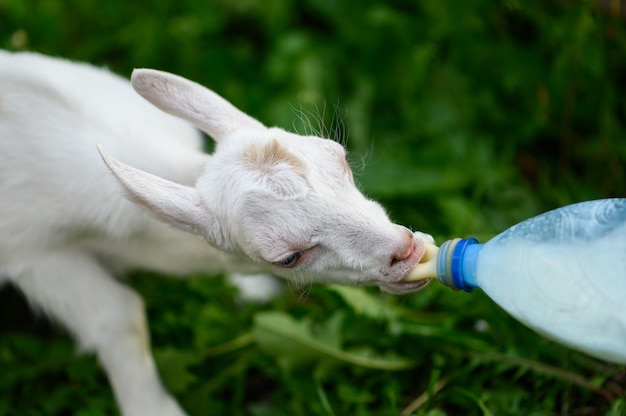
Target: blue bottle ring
(456,264)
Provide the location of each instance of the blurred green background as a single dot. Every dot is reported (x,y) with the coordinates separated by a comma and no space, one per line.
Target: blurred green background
(461,117)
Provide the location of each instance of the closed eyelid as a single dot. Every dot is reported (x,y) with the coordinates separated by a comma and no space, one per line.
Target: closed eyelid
(291,261)
(301,254)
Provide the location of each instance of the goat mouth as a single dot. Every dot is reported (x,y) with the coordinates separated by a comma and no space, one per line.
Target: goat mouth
(398,285)
(400,288)
(402,270)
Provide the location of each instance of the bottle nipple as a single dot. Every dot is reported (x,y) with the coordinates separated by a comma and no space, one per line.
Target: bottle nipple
(426,268)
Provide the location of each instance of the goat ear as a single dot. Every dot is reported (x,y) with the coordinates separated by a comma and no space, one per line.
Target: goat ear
(192,102)
(178,205)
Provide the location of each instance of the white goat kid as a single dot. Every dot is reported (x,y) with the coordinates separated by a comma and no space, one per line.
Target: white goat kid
(265,201)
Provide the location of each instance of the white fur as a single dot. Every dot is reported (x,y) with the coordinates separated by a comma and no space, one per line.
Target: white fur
(67,224)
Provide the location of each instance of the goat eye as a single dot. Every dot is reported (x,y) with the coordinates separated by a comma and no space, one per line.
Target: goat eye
(290,261)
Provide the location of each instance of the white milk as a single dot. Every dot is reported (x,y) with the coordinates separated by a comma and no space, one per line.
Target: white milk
(562,273)
(572,293)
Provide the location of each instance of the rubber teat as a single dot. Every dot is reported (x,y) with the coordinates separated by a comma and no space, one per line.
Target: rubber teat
(427,266)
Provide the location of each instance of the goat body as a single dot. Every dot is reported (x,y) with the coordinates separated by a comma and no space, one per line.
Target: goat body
(71,216)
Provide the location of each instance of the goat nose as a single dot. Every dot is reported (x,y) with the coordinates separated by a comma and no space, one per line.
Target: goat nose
(404,251)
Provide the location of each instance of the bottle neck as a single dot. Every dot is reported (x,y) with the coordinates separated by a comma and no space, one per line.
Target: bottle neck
(456,263)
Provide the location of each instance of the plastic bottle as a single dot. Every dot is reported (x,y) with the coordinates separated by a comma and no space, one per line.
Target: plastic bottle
(562,273)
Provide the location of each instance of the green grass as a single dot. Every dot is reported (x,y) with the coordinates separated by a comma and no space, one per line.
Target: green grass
(462,118)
